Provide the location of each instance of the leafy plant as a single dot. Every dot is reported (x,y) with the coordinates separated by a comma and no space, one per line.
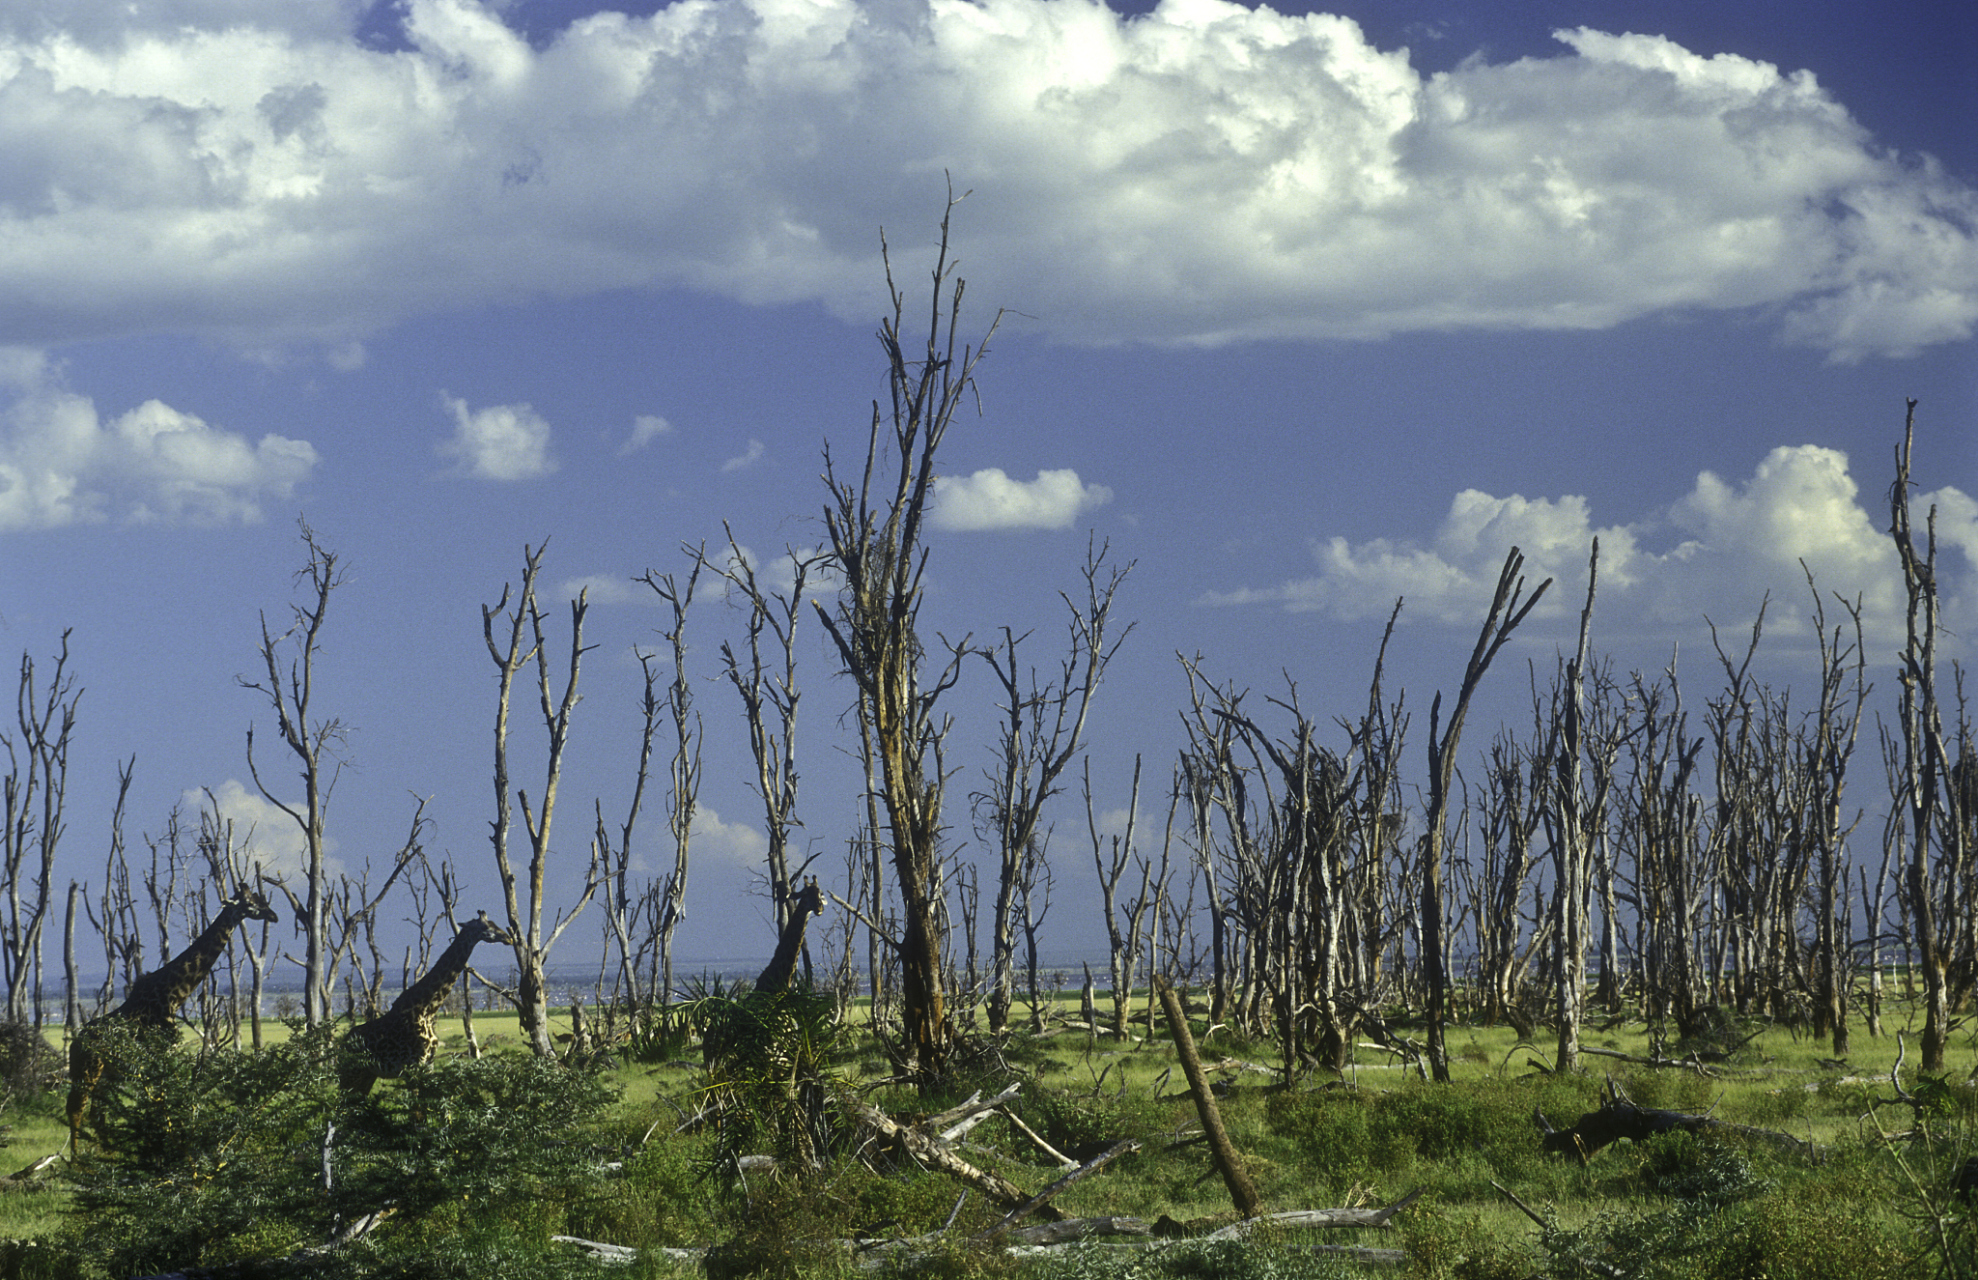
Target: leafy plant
(770,1085)
(217,1157)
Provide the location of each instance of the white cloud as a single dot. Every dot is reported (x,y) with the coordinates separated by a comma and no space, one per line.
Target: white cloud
(500,442)
(733,843)
(747,458)
(646,428)
(606,589)
(778,574)
(61,463)
(272,840)
(989,499)
(1200,173)
(1732,544)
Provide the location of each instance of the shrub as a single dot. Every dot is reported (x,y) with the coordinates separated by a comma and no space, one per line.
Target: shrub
(212,1158)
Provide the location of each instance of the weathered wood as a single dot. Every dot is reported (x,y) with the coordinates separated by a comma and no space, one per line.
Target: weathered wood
(1073,1229)
(1242,1191)
(975,1106)
(1317,1218)
(615,1255)
(1044,1197)
(1016,1122)
(927,1149)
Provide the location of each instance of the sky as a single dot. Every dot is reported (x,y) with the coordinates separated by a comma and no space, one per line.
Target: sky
(1300,313)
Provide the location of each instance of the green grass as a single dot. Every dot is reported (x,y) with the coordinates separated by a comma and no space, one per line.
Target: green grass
(1676,1206)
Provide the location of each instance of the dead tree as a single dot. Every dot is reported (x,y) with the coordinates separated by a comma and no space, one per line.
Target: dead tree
(313,740)
(1508,607)
(875,523)
(34,792)
(1929,808)
(527,640)
(1827,744)
(1111,856)
(1674,858)
(628,903)
(1576,821)
(683,772)
(1508,809)
(767,685)
(1043,727)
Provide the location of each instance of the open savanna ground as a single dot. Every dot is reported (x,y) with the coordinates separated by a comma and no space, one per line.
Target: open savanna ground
(468,1167)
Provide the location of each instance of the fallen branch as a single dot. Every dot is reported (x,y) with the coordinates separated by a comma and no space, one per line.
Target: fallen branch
(1064,1161)
(927,1148)
(1317,1218)
(1045,1196)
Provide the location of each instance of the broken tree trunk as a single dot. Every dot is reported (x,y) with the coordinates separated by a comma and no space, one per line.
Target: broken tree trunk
(1620,1117)
(1242,1192)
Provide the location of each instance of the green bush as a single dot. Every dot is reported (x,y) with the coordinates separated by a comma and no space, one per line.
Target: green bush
(213,1158)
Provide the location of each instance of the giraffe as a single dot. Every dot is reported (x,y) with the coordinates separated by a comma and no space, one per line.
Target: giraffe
(776,976)
(152,1000)
(403,1036)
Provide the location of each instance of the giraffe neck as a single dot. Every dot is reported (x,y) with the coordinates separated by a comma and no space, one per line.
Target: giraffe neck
(425,995)
(783,964)
(156,996)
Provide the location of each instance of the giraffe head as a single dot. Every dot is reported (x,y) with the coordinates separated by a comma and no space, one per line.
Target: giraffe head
(249,904)
(481,929)
(809,900)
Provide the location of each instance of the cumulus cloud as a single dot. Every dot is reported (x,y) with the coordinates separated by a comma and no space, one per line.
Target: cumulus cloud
(500,442)
(1200,173)
(1727,546)
(273,842)
(62,463)
(989,499)
(732,843)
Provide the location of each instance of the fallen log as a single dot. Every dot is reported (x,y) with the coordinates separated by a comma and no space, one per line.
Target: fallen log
(1621,1117)
(1242,1191)
(927,1148)
(1045,1196)
(1317,1218)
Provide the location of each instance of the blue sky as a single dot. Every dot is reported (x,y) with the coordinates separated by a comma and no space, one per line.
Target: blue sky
(1305,312)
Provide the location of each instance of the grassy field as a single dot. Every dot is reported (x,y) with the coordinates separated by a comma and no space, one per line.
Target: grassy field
(1867,1204)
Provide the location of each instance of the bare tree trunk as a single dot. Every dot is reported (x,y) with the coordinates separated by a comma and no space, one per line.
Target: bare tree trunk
(770,697)
(34,790)
(683,770)
(1506,612)
(525,905)
(1934,835)
(313,741)
(876,546)
(1572,840)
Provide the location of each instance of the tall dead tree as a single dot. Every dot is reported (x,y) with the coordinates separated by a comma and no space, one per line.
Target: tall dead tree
(1929,817)
(683,771)
(1043,727)
(1827,744)
(527,640)
(1509,606)
(34,792)
(1674,858)
(631,905)
(1573,819)
(290,689)
(876,523)
(766,682)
